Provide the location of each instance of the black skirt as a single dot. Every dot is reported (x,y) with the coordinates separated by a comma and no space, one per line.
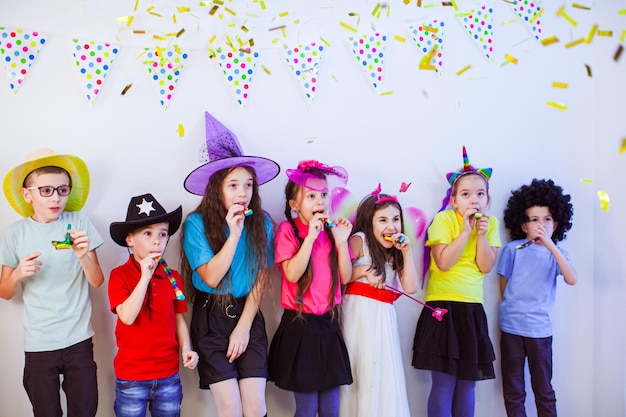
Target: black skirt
(309,354)
(458,345)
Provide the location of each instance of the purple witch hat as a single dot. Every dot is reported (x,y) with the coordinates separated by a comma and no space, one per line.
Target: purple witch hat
(225,152)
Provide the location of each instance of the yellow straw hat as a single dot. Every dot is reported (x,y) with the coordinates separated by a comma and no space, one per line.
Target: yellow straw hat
(79,175)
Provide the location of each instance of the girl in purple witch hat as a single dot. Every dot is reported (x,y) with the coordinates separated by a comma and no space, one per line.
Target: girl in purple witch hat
(227,247)
(464,242)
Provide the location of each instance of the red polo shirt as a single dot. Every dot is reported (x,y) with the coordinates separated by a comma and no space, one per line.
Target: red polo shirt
(148,348)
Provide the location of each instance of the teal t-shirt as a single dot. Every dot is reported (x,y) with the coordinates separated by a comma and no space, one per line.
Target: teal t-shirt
(199,252)
(57,308)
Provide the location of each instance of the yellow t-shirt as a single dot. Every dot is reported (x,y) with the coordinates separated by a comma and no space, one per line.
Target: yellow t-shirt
(464,281)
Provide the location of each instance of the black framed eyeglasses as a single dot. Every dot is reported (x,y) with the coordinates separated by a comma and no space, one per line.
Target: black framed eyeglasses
(47,190)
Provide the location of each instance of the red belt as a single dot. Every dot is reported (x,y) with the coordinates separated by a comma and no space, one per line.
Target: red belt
(366,290)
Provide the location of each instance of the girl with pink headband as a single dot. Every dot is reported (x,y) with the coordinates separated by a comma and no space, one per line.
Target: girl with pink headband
(308,355)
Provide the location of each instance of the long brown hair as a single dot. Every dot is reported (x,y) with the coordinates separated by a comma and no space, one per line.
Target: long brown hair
(364,223)
(304,283)
(213,214)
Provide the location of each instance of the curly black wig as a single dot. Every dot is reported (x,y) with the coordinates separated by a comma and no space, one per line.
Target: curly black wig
(543,193)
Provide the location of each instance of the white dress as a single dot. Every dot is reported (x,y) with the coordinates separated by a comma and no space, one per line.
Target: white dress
(370,331)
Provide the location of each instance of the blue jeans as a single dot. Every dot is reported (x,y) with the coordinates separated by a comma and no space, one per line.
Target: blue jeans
(515,350)
(162,396)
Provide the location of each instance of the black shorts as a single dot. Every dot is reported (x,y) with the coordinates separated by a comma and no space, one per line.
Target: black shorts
(211,327)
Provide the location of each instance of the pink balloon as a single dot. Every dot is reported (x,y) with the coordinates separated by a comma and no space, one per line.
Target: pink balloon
(343,203)
(414,223)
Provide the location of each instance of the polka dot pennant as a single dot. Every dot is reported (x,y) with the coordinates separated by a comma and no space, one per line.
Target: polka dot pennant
(18,50)
(164,66)
(369,51)
(93,61)
(304,62)
(528,11)
(427,36)
(479,25)
(238,68)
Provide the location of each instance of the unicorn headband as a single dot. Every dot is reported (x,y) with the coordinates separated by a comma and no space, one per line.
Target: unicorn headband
(468,169)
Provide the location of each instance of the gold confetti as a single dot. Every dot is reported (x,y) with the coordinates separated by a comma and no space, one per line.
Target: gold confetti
(446,3)
(277,28)
(549,40)
(181,130)
(623,11)
(262,3)
(213,10)
(622,149)
(508,22)
(605,201)
(376,9)
(218,2)
(325,41)
(386,93)
(283,14)
(346,26)
(399,38)
(266,70)
(557,84)
(213,38)
(574,43)
(182,9)
(230,11)
(586,180)
(149,9)
(461,71)
(510,58)
(125,90)
(620,48)
(156,14)
(136,4)
(592,33)
(158,37)
(244,29)
(561,13)
(623,36)
(580,6)
(607,33)
(588,70)
(139,32)
(180,32)
(557,106)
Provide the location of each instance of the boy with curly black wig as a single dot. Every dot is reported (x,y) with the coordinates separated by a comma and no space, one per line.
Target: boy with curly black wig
(538,216)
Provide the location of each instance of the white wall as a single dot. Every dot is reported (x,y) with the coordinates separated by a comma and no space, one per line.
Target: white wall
(415,133)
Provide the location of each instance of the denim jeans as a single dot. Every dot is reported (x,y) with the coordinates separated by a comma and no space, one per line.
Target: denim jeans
(162,396)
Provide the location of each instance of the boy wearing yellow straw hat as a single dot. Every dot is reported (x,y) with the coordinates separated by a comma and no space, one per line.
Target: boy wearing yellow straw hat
(51,255)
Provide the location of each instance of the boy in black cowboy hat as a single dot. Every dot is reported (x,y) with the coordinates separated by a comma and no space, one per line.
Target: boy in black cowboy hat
(146,295)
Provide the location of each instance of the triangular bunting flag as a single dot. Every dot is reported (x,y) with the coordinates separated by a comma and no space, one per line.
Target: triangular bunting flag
(164,66)
(304,61)
(428,36)
(529,12)
(238,67)
(18,50)
(369,51)
(479,25)
(93,61)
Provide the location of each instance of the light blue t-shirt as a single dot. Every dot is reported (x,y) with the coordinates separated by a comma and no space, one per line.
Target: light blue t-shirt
(57,308)
(199,252)
(530,291)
